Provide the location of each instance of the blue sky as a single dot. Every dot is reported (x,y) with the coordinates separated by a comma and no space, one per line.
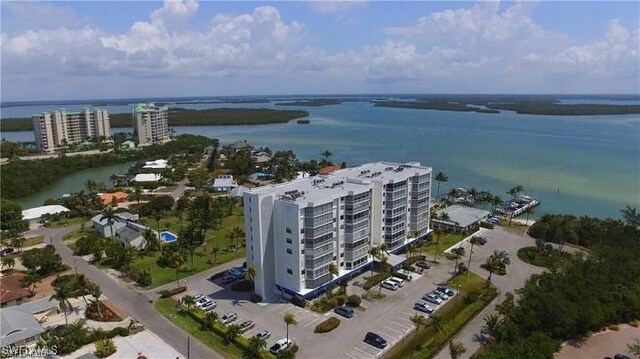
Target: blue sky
(66,50)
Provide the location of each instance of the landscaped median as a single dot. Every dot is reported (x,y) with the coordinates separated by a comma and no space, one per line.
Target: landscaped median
(193,321)
(473,296)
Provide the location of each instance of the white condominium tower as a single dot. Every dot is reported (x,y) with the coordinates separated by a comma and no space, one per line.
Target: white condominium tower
(150,123)
(55,130)
(296,230)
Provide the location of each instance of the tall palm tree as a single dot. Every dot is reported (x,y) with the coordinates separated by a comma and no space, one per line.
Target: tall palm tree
(456,349)
(110,215)
(250,274)
(473,241)
(491,324)
(325,156)
(492,265)
(419,322)
(530,210)
(175,261)
(437,322)
(438,232)
(214,251)
(440,177)
(83,283)
(188,300)
(289,319)
(62,295)
(631,216)
(237,233)
(473,193)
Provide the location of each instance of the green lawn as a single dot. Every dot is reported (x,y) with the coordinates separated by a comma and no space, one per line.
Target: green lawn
(33,241)
(514,226)
(66,222)
(551,261)
(77,234)
(456,312)
(203,258)
(166,307)
(446,241)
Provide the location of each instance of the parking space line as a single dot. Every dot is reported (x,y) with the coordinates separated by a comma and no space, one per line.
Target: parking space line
(283,310)
(395,330)
(311,322)
(403,325)
(351,356)
(364,352)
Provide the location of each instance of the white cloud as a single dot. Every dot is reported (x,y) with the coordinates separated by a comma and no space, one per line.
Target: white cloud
(334,7)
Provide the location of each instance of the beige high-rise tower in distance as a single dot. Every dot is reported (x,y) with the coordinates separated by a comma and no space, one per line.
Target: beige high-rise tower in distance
(150,123)
(55,130)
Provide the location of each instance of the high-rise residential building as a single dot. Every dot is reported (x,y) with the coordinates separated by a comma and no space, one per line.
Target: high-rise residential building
(150,123)
(296,230)
(55,130)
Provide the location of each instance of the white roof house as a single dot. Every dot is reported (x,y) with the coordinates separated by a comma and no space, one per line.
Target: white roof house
(157,164)
(38,212)
(147,177)
(224,183)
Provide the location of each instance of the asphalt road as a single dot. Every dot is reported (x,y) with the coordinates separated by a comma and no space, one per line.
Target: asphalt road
(136,303)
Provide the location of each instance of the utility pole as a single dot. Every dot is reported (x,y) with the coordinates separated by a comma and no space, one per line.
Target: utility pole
(188,347)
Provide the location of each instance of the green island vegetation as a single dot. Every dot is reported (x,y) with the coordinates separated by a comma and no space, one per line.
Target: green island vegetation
(316,102)
(533,105)
(436,332)
(589,294)
(18,180)
(434,105)
(186,117)
(303,121)
(544,255)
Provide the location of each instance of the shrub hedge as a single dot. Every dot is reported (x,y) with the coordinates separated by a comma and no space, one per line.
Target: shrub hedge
(328,325)
(171,292)
(255,298)
(375,280)
(298,302)
(486,225)
(354,301)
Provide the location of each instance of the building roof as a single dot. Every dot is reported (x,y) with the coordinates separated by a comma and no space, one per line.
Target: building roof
(324,188)
(239,191)
(37,212)
(239,144)
(17,325)
(149,107)
(107,198)
(463,216)
(157,164)
(147,177)
(126,216)
(37,306)
(224,182)
(12,289)
(129,236)
(328,169)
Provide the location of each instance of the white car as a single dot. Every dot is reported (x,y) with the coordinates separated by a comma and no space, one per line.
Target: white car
(209,307)
(263,334)
(203,302)
(432,298)
(423,307)
(229,317)
(280,345)
(398,281)
(387,284)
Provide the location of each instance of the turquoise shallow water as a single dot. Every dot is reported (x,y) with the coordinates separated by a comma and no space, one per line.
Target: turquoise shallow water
(586,165)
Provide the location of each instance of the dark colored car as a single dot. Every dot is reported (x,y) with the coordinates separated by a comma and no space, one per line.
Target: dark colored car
(423,264)
(446,291)
(620,356)
(344,311)
(6,251)
(375,340)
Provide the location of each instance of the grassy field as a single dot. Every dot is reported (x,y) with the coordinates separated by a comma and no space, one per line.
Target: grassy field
(446,241)
(66,222)
(473,296)
(166,307)
(551,261)
(33,241)
(203,258)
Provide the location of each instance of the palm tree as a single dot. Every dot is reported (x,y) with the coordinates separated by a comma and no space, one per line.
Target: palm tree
(631,216)
(62,295)
(440,177)
(214,251)
(289,319)
(95,291)
(210,319)
(137,193)
(83,283)
(456,349)
(437,322)
(492,265)
(530,210)
(17,242)
(251,275)
(175,261)
(473,193)
(419,322)
(473,241)
(233,331)
(8,262)
(256,345)
(91,186)
(495,201)
(491,324)
(110,215)
(325,156)
(438,232)
(188,300)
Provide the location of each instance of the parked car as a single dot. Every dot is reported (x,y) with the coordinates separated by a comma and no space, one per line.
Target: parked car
(228,279)
(198,297)
(209,307)
(423,264)
(431,298)
(203,302)
(280,345)
(446,290)
(237,271)
(482,240)
(6,251)
(398,281)
(229,317)
(440,294)
(423,307)
(620,356)
(387,284)
(246,325)
(263,334)
(344,311)
(375,340)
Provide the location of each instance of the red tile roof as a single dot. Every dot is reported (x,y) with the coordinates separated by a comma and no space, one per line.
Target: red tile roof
(107,198)
(328,169)
(11,289)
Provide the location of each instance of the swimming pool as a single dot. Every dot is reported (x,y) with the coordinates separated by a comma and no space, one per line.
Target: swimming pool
(168,237)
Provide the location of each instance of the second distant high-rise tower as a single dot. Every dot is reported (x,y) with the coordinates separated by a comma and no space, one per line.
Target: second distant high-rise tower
(150,123)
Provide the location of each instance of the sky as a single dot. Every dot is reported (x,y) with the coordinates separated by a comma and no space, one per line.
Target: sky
(116,49)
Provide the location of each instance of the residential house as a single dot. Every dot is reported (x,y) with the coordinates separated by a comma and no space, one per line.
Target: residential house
(224,183)
(459,218)
(21,325)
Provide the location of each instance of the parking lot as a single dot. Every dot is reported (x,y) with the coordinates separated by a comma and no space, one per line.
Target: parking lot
(388,317)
